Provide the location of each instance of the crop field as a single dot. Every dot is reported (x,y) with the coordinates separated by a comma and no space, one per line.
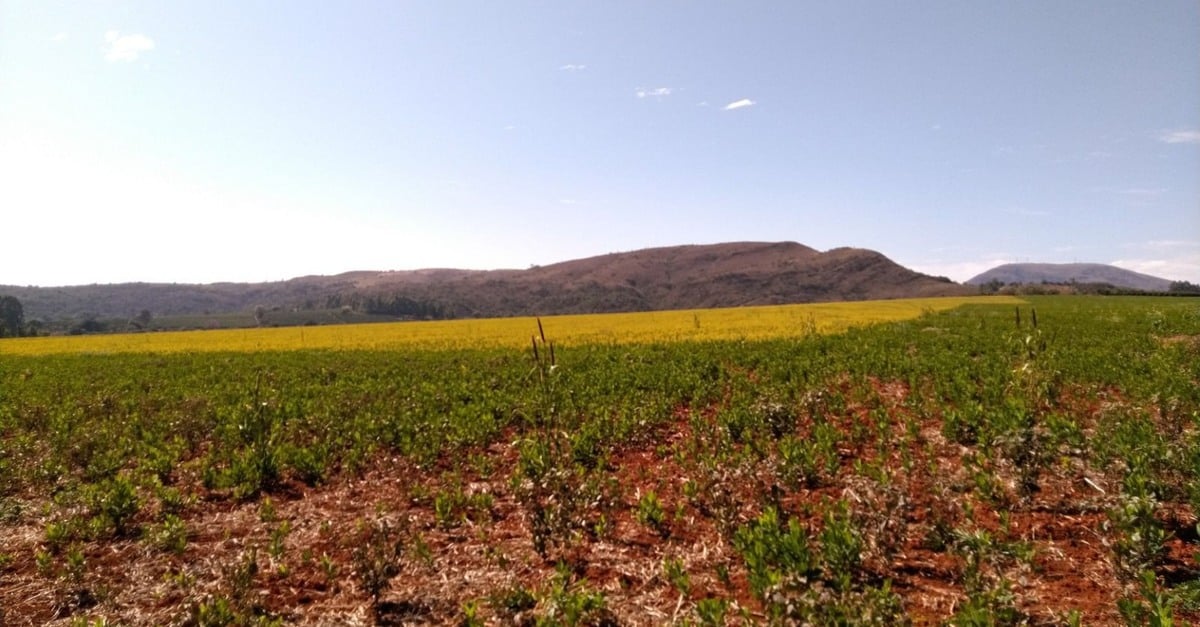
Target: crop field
(966,462)
(762,322)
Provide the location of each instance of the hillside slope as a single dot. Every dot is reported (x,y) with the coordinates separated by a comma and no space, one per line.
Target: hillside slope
(677,277)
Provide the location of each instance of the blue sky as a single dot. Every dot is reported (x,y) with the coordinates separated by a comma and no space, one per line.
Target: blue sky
(247,141)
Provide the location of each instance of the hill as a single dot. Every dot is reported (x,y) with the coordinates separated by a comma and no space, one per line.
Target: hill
(677,277)
(1071,273)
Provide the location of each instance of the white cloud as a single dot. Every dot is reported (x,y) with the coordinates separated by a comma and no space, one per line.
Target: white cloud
(1180,137)
(572,67)
(657,92)
(126,47)
(740,104)
(59,37)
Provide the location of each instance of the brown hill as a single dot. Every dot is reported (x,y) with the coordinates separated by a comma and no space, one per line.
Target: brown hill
(677,277)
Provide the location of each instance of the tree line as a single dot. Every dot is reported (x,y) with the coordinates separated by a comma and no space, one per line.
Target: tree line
(389,305)
(996,286)
(12,318)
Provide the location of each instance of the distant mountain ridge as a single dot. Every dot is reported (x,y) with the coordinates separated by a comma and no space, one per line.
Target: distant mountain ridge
(1071,273)
(676,277)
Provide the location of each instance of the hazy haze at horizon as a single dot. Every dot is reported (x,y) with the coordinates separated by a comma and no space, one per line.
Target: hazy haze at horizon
(251,141)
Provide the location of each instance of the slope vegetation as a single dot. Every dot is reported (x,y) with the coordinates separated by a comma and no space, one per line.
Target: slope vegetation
(678,277)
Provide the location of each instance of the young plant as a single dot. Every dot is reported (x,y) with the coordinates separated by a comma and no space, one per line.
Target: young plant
(114,503)
(1140,539)
(777,555)
(710,611)
(377,558)
(676,573)
(170,535)
(841,546)
(1155,608)
(650,513)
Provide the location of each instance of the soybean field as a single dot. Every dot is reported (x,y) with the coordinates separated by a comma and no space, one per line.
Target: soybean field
(987,461)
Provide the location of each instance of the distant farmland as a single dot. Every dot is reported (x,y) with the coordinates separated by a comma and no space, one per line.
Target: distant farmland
(776,321)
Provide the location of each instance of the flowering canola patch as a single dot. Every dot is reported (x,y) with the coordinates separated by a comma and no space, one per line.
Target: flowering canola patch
(750,323)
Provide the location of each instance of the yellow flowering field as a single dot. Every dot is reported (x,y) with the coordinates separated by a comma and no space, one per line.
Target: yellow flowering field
(761,322)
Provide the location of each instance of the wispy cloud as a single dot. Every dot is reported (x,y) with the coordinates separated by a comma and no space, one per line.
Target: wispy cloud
(959,270)
(1183,268)
(1168,244)
(1169,259)
(126,47)
(1180,137)
(59,37)
(1027,212)
(740,104)
(1142,191)
(573,67)
(657,92)
(1132,192)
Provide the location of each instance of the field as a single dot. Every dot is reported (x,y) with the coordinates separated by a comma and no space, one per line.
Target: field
(764,322)
(967,462)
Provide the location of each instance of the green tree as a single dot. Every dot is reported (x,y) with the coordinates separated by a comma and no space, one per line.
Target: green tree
(12,317)
(89,325)
(991,287)
(141,320)
(1183,287)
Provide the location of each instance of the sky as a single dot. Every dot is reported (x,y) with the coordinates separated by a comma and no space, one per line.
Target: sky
(206,141)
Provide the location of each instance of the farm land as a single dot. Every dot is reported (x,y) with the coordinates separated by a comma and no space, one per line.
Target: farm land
(971,462)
